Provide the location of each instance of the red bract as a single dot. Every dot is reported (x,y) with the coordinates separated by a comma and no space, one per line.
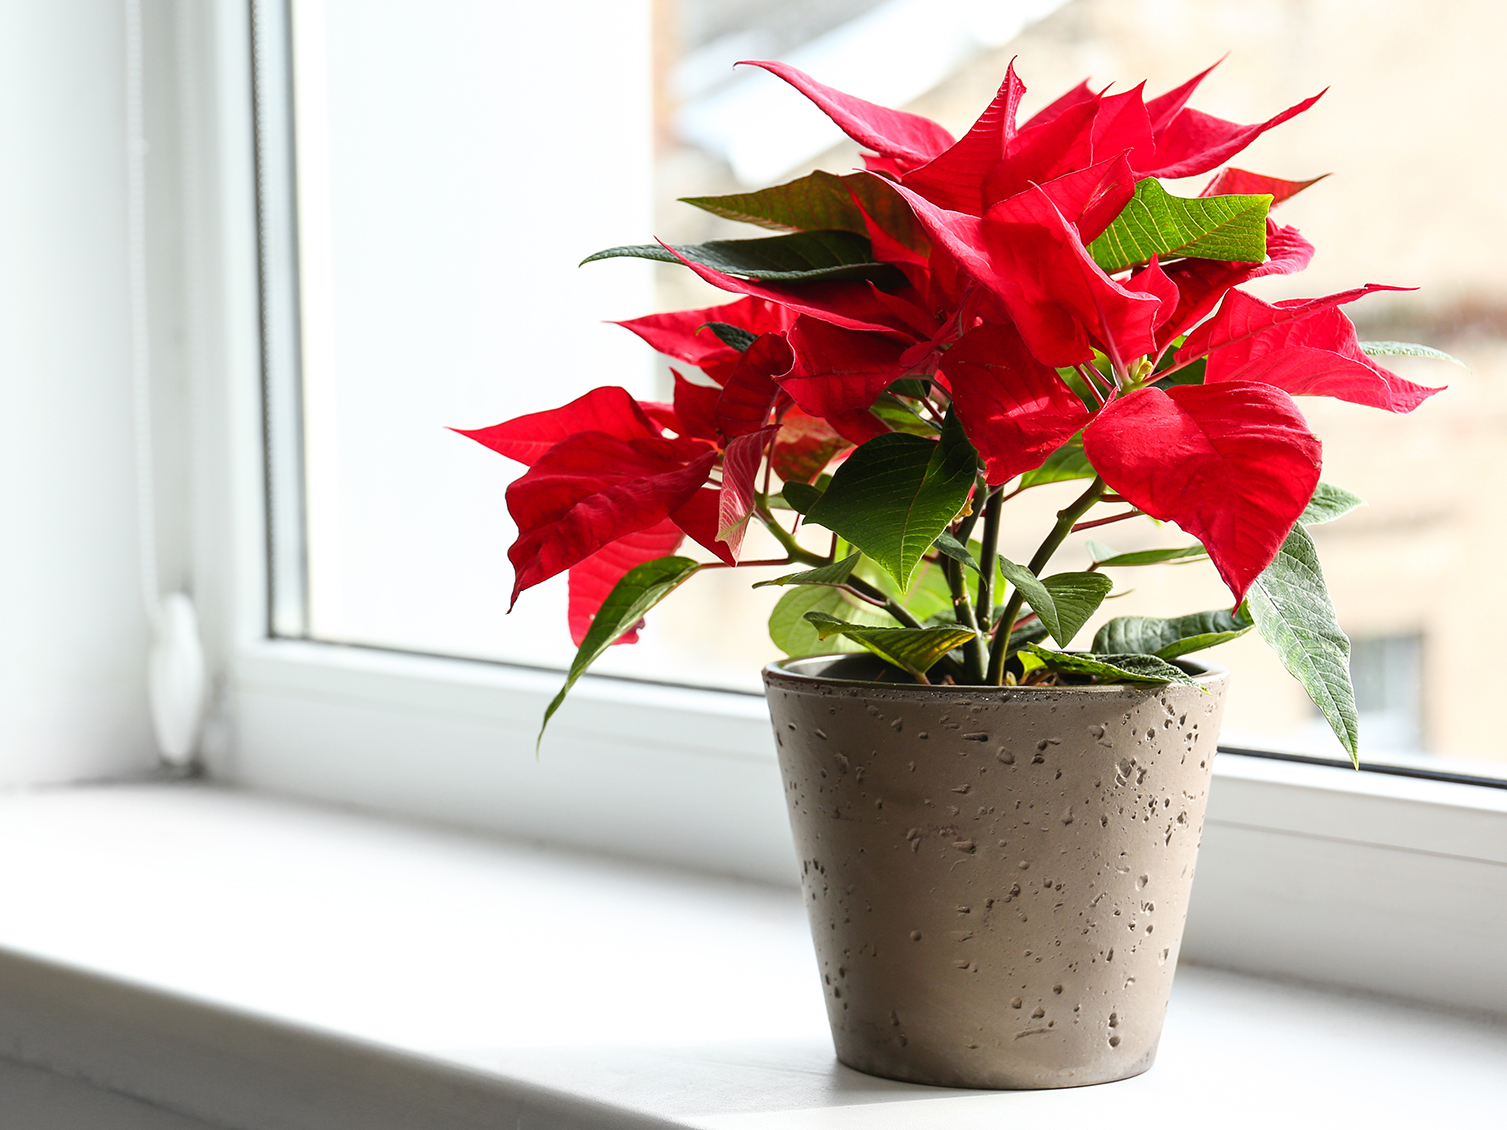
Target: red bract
(996,159)
(587,491)
(1233,464)
(687,336)
(1014,409)
(1307,347)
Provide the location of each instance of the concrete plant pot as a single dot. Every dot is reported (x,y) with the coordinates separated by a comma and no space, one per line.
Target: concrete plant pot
(997,878)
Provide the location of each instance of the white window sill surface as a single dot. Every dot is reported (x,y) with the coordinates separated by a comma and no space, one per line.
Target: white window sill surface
(198,956)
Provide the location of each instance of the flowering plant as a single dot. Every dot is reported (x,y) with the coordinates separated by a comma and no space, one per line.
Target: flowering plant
(960,322)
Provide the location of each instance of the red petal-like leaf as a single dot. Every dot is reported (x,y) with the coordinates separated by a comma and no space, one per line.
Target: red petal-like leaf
(685,335)
(698,518)
(1045,151)
(1080,93)
(804,447)
(908,138)
(955,179)
(1091,198)
(1233,464)
(1152,280)
(740,469)
(1243,316)
(1237,182)
(1194,142)
(751,392)
(839,372)
(592,579)
(527,438)
(696,408)
(1014,409)
(1026,254)
(1122,126)
(1316,355)
(590,490)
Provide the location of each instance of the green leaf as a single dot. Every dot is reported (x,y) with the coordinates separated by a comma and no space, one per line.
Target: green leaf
(1103,555)
(1066,463)
(640,589)
(1407,349)
(901,417)
(809,256)
(1112,668)
(911,387)
(1231,228)
(893,495)
(1327,504)
(835,574)
(1064,601)
(955,549)
(734,337)
(795,637)
(1182,635)
(801,496)
(820,200)
(914,649)
(1291,607)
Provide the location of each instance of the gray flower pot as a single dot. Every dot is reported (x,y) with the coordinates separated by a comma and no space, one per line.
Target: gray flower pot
(997,878)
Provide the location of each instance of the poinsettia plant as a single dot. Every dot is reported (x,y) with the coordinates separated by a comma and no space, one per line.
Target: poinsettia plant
(928,338)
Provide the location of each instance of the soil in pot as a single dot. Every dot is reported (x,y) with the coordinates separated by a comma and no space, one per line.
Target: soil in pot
(996,878)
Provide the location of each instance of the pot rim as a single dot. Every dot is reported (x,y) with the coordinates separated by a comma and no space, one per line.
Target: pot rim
(785,673)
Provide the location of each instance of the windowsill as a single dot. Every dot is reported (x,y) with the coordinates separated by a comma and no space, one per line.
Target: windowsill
(258,963)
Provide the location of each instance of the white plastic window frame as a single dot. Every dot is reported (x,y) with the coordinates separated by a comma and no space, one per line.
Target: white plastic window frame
(1371,881)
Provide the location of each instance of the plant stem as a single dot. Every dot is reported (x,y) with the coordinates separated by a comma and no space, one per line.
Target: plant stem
(962,611)
(787,541)
(992,508)
(1106,521)
(1066,519)
(892,606)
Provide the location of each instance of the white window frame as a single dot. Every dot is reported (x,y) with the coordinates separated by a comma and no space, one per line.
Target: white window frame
(1376,882)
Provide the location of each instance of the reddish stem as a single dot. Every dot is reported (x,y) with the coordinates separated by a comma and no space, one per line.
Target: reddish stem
(1105,521)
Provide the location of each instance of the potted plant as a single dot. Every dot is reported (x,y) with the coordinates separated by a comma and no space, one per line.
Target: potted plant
(997,833)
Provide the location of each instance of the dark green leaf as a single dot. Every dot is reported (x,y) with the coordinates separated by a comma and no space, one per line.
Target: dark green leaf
(911,387)
(801,496)
(1067,462)
(821,200)
(894,495)
(1112,668)
(1291,607)
(795,637)
(913,649)
(808,256)
(1064,601)
(835,574)
(1327,504)
(1407,349)
(1181,635)
(639,590)
(955,549)
(734,337)
(1231,228)
(1104,556)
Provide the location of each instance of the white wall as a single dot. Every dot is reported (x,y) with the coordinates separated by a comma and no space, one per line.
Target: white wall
(74,638)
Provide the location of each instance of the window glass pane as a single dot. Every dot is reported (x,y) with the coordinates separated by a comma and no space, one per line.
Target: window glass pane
(454,168)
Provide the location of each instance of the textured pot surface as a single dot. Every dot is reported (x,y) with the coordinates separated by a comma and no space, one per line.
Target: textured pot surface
(997,878)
